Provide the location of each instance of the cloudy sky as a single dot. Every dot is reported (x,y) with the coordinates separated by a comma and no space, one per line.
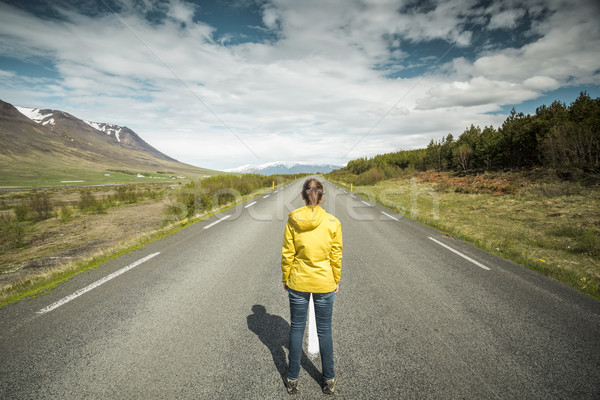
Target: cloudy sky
(221,83)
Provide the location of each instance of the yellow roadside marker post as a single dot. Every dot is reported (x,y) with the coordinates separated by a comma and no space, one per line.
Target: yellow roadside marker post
(273,185)
(351,187)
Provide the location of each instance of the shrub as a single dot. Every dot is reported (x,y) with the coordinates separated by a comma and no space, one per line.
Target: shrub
(213,192)
(152,194)
(126,195)
(12,231)
(65,213)
(21,212)
(206,201)
(40,205)
(188,199)
(370,177)
(100,207)
(172,210)
(87,201)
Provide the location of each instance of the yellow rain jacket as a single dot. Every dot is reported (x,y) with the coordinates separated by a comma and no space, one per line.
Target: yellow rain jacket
(311,258)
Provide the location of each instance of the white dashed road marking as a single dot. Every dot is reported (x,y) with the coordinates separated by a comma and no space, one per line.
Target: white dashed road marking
(461,254)
(216,222)
(388,215)
(95,284)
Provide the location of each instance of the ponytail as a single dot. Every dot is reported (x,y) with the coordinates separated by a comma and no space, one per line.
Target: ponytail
(312,192)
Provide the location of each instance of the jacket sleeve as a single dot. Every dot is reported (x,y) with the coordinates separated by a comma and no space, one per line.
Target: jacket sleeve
(336,254)
(288,252)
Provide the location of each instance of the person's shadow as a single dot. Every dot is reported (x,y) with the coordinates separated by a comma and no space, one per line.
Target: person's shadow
(273,331)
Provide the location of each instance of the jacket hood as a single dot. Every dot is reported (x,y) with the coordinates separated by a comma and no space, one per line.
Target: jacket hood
(307,218)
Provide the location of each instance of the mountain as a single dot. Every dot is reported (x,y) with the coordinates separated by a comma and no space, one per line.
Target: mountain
(80,132)
(127,138)
(281,167)
(45,147)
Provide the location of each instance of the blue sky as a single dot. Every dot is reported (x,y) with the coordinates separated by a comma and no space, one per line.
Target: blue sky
(226,83)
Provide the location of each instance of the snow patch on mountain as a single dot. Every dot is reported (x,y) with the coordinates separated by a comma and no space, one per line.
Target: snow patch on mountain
(35,114)
(109,129)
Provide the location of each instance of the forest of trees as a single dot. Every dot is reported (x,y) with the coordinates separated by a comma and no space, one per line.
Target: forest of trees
(563,138)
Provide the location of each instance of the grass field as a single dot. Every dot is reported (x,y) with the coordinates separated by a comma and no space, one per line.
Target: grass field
(49,171)
(73,239)
(83,177)
(550,226)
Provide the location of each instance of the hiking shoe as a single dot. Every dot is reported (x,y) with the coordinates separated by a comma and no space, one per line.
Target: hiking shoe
(329,386)
(291,385)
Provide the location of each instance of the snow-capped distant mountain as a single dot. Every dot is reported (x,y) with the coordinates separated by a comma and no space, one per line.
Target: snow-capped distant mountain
(282,167)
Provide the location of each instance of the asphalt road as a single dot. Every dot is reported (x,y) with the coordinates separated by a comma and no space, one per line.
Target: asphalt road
(207,317)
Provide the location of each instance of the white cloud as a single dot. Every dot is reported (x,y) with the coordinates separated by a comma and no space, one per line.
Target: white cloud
(6,74)
(481,91)
(443,22)
(506,19)
(180,11)
(565,54)
(567,51)
(271,18)
(543,83)
(310,94)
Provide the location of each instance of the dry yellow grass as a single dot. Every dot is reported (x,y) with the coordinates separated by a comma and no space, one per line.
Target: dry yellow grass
(54,250)
(53,244)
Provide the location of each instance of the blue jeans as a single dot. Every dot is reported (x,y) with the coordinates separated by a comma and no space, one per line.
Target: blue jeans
(323,312)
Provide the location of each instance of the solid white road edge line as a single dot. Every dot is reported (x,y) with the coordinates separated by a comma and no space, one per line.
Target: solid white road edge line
(461,254)
(251,204)
(388,215)
(216,222)
(95,284)
(364,202)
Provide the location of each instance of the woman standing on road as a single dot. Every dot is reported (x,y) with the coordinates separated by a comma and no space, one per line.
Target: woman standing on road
(311,263)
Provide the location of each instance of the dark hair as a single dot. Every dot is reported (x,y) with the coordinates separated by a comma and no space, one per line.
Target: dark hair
(312,192)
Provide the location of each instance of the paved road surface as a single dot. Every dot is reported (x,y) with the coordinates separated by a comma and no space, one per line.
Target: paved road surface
(208,318)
